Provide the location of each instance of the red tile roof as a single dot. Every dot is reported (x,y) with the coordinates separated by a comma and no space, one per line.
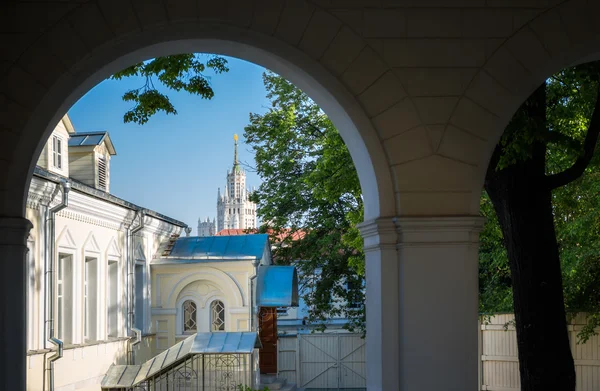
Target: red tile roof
(233,232)
(297,235)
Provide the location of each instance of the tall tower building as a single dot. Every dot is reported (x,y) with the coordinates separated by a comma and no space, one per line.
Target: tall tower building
(234,209)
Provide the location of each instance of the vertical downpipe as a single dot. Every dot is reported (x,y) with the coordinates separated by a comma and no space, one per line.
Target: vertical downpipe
(50,260)
(255,263)
(131,282)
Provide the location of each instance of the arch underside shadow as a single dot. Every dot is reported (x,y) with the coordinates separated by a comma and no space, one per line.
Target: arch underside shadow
(343,109)
(558,38)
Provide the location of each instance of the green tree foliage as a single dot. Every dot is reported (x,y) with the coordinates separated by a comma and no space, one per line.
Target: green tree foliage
(311,195)
(180,72)
(570,101)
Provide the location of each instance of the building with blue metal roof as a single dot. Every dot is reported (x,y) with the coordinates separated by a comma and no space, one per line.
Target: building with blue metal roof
(224,248)
(218,284)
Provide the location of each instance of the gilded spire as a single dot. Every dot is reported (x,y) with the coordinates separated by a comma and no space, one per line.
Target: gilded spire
(236,165)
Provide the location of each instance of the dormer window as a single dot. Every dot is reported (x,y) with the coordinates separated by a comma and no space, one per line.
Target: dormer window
(57,152)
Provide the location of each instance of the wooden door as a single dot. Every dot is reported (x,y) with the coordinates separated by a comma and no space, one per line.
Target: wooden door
(267,330)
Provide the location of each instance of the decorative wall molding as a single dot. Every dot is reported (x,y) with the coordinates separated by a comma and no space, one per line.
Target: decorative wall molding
(91,244)
(113,249)
(65,239)
(164,311)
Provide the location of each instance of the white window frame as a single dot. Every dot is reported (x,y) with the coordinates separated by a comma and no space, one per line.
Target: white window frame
(109,261)
(57,152)
(58,323)
(98,313)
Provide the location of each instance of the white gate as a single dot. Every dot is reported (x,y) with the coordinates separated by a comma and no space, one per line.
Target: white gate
(325,361)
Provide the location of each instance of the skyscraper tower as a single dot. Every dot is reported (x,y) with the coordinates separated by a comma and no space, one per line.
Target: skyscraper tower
(234,209)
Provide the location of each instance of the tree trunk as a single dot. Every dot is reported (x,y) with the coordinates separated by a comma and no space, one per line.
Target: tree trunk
(524,207)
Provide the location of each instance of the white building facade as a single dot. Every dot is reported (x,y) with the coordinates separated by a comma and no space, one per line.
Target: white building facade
(93,285)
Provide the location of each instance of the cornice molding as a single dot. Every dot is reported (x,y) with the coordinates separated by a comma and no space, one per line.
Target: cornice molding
(440,230)
(396,232)
(40,193)
(378,234)
(92,210)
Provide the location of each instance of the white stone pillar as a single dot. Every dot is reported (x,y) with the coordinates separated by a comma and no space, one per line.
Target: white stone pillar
(13,307)
(382,343)
(438,281)
(422,303)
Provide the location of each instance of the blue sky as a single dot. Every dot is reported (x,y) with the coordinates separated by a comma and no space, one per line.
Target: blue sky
(174,163)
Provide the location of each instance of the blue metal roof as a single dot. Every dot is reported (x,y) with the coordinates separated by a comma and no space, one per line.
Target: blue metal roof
(277,286)
(87,139)
(236,247)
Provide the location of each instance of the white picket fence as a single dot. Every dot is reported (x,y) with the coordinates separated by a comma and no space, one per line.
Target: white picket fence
(499,369)
(332,361)
(323,361)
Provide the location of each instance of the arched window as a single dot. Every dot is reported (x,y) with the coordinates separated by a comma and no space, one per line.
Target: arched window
(217,317)
(189,317)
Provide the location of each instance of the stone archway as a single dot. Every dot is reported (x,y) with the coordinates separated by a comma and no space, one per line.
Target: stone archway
(421,96)
(54,88)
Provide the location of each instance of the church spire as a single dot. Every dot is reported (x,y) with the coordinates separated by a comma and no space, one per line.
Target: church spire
(236,165)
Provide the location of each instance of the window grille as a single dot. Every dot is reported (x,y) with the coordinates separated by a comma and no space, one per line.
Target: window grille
(189,316)
(217,310)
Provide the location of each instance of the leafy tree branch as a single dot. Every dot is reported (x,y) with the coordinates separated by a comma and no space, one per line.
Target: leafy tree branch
(180,72)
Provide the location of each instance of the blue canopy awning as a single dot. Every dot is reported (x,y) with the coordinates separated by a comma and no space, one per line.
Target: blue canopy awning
(277,286)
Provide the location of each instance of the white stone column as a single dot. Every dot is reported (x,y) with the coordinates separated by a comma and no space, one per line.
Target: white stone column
(422,303)
(382,343)
(13,307)
(438,281)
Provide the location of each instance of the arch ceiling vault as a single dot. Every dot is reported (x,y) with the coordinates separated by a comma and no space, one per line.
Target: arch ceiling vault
(420,94)
(420,91)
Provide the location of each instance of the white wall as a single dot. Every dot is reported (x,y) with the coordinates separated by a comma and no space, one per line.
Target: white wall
(499,356)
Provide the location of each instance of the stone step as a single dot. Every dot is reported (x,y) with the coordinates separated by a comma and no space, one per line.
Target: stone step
(272,382)
(277,386)
(289,387)
(268,379)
